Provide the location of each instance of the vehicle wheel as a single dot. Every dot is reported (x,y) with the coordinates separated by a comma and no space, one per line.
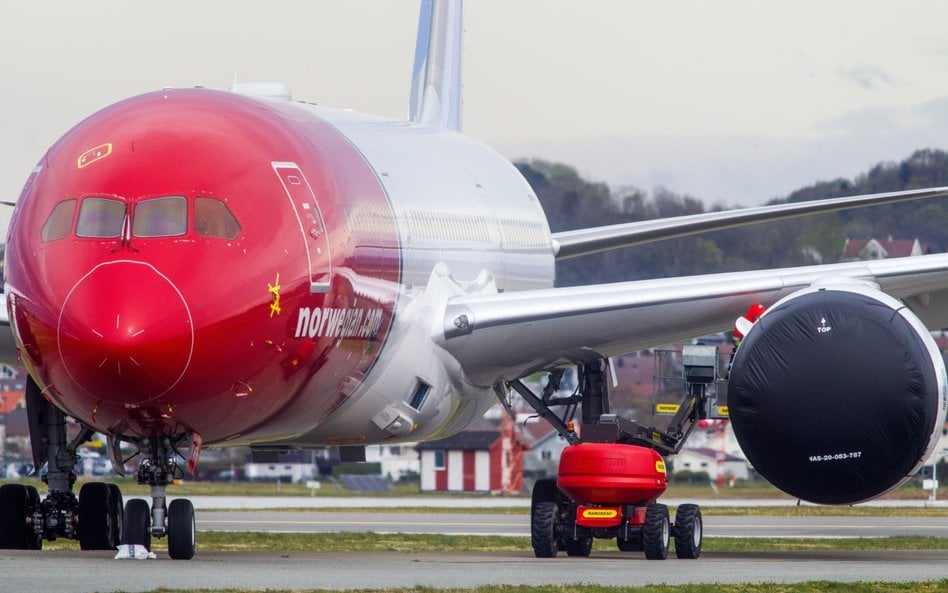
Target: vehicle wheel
(16,531)
(655,532)
(630,545)
(544,512)
(579,547)
(689,531)
(95,517)
(543,529)
(181,529)
(117,511)
(137,523)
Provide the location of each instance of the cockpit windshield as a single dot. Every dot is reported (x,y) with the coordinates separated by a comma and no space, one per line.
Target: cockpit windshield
(161,217)
(101,218)
(166,216)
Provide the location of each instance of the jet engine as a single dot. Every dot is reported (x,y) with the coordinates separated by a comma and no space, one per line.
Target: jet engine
(837,394)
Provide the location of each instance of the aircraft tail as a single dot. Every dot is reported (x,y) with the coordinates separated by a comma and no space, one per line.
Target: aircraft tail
(436,77)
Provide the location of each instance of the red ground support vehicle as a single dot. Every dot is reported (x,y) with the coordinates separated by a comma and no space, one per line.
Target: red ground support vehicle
(609,490)
(609,480)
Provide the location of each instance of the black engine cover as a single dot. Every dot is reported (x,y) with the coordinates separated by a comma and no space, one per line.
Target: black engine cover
(835,396)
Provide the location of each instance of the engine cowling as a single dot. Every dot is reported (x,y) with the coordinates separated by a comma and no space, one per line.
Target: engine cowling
(837,394)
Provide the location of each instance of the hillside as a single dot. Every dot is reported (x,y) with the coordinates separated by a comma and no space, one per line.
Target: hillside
(572,202)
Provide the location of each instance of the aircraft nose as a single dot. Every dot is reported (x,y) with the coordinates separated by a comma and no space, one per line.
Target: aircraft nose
(125,333)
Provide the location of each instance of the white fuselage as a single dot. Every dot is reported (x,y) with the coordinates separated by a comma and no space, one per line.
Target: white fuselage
(468,223)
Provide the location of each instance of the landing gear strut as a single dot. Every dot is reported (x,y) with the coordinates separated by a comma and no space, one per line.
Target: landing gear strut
(159,468)
(94,518)
(97,517)
(610,479)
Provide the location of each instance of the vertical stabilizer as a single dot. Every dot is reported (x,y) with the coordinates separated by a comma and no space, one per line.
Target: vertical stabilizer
(436,79)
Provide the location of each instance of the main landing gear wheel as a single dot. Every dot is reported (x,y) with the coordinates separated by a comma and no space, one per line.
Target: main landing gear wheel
(544,519)
(689,531)
(655,532)
(17,504)
(118,513)
(98,519)
(181,529)
(137,523)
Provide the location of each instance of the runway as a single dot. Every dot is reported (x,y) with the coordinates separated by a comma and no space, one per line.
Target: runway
(446,522)
(85,572)
(82,572)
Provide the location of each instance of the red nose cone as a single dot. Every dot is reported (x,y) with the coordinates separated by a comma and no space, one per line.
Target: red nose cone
(125,333)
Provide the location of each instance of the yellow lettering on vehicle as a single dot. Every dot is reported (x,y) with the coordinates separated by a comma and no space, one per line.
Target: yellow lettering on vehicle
(666,408)
(600,514)
(660,467)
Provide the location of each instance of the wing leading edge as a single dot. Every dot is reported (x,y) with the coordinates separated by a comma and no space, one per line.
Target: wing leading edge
(506,336)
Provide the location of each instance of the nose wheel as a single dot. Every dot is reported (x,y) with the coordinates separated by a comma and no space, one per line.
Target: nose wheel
(158,468)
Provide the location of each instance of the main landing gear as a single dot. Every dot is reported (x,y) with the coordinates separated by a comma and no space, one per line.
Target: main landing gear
(609,482)
(97,517)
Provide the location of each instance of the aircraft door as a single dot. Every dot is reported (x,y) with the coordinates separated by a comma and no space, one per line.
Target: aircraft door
(312,227)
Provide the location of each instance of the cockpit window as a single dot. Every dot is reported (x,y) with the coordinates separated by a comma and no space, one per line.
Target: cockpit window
(161,217)
(101,218)
(59,223)
(212,218)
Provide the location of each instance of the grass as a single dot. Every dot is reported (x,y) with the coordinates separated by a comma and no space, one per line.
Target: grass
(757,489)
(241,541)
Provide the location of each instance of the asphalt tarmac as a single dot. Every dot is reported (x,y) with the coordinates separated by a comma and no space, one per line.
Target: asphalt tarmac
(84,572)
(81,572)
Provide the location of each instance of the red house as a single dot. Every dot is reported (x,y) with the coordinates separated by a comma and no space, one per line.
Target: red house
(473,461)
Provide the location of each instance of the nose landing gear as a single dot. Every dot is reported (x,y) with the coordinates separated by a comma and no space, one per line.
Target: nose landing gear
(176,520)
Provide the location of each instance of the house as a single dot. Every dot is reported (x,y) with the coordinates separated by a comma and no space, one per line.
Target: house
(714,463)
(544,447)
(868,249)
(395,461)
(473,461)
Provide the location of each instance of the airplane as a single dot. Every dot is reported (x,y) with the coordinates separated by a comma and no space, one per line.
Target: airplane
(195,268)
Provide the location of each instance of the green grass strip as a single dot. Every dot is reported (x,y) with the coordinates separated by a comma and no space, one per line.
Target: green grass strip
(243,541)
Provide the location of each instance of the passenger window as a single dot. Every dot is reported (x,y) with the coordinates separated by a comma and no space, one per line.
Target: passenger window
(212,218)
(101,218)
(161,217)
(59,223)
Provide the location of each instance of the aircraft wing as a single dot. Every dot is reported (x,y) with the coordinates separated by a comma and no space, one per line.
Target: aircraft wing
(506,336)
(574,243)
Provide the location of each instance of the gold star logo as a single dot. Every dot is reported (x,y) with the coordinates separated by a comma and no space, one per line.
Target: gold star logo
(274,289)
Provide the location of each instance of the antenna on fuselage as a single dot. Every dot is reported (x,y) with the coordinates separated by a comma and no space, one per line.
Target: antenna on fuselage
(436,76)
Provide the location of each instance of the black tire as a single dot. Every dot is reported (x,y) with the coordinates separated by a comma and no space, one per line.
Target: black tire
(181,529)
(35,540)
(689,531)
(579,547)
(16,530)
(545,490)
(543,527)
(137,524)
(118,511)
(544,515)
(630,545)
(96,520)
(656,532)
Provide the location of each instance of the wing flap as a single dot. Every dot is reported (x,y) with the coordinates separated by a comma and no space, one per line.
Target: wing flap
(505,336)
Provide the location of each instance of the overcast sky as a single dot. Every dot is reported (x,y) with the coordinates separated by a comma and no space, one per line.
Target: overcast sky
(731,102)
